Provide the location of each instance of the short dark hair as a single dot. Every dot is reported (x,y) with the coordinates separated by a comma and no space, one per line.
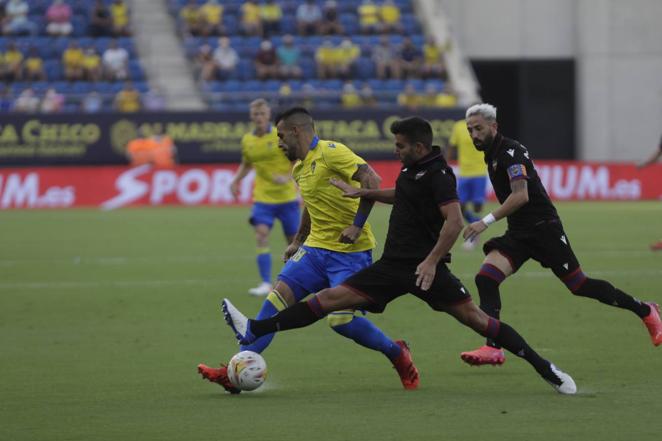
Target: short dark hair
(415,129)
(290,112)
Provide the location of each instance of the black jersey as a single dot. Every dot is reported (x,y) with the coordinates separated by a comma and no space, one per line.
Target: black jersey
(416,220)
(508,160)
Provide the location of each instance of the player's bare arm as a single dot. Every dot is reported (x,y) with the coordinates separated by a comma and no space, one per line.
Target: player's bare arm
(518,197)
(451,229)
(300,237)
(242,171)
(369,180)
(386,196)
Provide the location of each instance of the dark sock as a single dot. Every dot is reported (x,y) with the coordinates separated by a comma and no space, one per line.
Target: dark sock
(507,337)
(296,316)
(488,280)
(606,293)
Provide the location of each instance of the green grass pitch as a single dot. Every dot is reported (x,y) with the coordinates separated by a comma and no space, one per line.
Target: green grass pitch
(105,315)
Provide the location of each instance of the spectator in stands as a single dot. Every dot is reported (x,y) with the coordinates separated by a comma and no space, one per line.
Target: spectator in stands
(92,102)
(101,23)
(58,16)
(128,99)
(154,100)
(438,99)
(52,102)
(156,149)
(288,58)
(211,18)
(13,63)
(33,66)
(369,21)
(251,23)
(285,98)
(390,17)
(330,22)
(433,60)
(119,13)
(205,64)
(309,17)
(325,57)
(346,56)
(368,98)
(91,65)
(409,98)
(271,14)
(386,60)
(26,102)
(16,19)
(72,61)
(226,59)
(266,62)
(6,101)
(307,96)
(349,97)
(410,59)
(115,62)
(190,15)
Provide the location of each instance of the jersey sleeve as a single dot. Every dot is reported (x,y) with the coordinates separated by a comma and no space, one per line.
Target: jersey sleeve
(340,159)
(444,187)
(245,157)
(516,163)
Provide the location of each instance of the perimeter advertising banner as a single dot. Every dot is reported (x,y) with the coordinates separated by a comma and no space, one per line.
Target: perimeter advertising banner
(201,137)
(112,187)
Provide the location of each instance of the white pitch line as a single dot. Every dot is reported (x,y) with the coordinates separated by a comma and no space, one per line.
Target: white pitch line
(72,284)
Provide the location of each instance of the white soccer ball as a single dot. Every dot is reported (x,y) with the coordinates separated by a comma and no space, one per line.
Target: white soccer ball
(247,370)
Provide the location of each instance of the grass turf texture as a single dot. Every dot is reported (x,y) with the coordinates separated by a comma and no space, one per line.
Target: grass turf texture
(105,315)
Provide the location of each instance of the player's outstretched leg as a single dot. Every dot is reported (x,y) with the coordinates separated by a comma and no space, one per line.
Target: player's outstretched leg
(365,333)
(488,280)
(470,315)
(606,293)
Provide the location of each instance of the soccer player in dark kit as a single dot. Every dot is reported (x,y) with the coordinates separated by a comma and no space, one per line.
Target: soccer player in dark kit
(534,232)
(425,222)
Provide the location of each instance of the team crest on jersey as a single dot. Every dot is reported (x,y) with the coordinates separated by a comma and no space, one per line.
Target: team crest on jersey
(494,165)
(420,174)
(312,166)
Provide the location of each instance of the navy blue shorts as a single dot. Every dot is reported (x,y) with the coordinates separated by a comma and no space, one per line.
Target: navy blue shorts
(472,189)
(288,213)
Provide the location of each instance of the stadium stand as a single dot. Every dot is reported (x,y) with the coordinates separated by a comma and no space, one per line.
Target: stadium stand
(85,70)
(237,84)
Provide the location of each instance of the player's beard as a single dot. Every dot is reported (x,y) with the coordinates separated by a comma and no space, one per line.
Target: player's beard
(485,144)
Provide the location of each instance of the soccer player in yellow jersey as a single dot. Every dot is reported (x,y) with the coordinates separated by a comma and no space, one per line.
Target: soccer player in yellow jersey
(472,181)
(274,193)
(333,242)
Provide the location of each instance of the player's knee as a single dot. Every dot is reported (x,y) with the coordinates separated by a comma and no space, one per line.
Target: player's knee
(488,279)
(339,318)
(577,282)
(276,300)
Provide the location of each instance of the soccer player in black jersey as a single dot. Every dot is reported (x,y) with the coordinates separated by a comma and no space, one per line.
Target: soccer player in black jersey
(425,222)
(534,232)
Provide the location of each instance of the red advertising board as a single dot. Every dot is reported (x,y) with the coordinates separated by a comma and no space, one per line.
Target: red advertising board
(114,187)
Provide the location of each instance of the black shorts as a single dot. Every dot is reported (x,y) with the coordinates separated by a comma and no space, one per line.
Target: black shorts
(388,279)
(546,243)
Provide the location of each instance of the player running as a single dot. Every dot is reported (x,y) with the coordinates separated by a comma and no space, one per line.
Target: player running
(534,232)
(274,194)
(333,242)
(425,222)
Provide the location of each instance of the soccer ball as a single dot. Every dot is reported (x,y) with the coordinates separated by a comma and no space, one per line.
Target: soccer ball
(247,370)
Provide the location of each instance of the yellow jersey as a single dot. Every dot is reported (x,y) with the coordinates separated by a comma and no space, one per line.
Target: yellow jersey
(330,212)
(470,160)
(269,162)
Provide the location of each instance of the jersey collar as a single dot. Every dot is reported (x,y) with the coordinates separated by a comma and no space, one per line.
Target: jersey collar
(265,133)
(314,142)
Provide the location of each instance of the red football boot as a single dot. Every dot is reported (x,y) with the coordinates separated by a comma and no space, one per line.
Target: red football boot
(484,355)
(654,324)
(405,367)
(219,376)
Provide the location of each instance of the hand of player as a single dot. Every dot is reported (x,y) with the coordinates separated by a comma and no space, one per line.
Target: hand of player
(234,189)
(350,234)
(348,190)
(474,229)
(280,179)
(290,251)
(425,273)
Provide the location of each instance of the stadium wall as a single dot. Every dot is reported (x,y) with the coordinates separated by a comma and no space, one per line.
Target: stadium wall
(113,187)
(618,55)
